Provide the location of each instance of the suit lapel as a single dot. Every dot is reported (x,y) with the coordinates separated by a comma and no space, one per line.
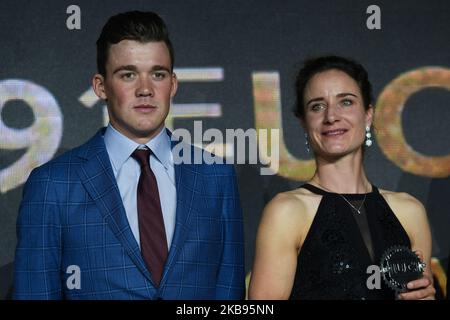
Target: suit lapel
(98,179)
(185,180)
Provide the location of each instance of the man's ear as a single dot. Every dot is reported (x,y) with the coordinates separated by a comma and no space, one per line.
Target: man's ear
(98,84)
(174,88)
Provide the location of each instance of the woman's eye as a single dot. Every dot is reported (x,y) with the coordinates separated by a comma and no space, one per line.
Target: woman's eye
(347,102)
(317,107)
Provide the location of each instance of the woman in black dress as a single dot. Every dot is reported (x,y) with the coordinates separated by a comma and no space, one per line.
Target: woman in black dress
(317,242)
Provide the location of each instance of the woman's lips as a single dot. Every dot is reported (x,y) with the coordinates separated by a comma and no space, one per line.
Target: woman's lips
(335,132)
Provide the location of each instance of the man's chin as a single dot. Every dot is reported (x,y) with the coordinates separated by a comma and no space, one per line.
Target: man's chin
(148,133)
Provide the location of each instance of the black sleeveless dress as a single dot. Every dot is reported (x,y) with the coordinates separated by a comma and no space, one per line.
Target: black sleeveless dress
(341,244)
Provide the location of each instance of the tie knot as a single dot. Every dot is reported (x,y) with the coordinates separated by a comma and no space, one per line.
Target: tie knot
(141,156)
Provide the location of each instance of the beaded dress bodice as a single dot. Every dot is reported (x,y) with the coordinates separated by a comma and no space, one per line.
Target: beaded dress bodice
(339,247)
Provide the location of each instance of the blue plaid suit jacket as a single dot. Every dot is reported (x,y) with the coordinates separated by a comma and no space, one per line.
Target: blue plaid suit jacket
(72,215)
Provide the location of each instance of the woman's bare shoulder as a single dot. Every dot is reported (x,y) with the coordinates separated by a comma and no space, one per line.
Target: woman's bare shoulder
(293,201)
(288,216)
(409,211)
(291,208)
(402,200)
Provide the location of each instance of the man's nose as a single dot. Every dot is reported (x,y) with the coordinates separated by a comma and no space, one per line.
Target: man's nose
(145,88)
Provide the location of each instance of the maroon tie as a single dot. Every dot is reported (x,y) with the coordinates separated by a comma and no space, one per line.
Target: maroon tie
(151,224)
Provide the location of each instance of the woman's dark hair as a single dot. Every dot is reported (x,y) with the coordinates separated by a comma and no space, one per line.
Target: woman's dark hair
(134,25)
(325,63)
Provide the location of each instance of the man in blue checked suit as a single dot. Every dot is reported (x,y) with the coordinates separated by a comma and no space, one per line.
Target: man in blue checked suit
(118,218)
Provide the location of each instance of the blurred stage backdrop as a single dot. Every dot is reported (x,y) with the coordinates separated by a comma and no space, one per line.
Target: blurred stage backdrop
(236,61)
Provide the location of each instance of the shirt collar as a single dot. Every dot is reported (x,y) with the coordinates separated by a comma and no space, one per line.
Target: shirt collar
(120,147)
(162,148)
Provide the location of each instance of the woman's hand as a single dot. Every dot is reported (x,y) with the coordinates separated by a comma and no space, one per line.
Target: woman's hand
(420,289)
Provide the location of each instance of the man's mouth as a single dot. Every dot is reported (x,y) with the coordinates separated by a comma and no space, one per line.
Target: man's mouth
(145,108)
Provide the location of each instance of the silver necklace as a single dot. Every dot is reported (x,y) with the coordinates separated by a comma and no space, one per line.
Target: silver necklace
(351,205)
(362,203)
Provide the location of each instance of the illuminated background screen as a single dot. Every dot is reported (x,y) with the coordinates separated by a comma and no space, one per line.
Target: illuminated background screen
(236,62)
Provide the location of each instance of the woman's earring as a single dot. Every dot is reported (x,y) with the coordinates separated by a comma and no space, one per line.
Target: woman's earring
(368,137)
(306,142)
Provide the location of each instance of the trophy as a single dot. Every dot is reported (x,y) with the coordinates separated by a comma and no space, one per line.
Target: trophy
(399,265)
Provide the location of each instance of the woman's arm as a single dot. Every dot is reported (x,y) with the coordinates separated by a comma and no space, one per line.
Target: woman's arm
(277,244)
(413,217)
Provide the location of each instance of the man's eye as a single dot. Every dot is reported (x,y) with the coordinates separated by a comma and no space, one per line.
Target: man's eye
(127,76)
(159,75)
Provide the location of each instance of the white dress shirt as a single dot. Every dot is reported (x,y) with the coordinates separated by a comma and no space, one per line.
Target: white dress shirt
(127,171)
